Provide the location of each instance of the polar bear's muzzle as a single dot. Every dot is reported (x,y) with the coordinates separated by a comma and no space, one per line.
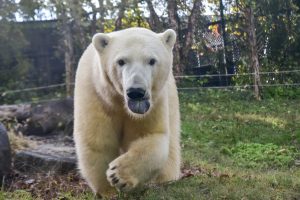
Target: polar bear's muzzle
(137,100)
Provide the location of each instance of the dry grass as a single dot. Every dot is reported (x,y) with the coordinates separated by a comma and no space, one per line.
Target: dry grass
(17,140)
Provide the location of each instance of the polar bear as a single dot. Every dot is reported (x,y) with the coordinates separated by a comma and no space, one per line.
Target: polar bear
(126,118)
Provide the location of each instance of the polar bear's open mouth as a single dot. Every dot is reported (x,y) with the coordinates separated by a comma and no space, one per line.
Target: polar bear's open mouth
(140,106)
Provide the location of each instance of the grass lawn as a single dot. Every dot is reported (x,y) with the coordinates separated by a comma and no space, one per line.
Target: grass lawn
(233,148)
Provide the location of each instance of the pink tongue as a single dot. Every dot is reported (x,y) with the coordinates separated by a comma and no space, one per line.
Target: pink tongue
(139,106)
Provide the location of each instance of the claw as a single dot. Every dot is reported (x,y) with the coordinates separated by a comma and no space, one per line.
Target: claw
(111,176)
(115,180)
(123,185)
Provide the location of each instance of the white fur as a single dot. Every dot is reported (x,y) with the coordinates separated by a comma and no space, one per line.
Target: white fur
(112,142)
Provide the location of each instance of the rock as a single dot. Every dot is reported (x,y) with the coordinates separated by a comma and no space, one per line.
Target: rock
(31,161)
(50,117)
(55,154)
(41,119)
(5,153)
(20,112)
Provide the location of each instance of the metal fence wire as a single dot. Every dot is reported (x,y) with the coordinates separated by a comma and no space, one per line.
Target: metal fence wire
(193,86)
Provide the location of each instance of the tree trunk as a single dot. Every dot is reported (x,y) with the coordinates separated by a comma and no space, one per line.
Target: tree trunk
(154,21)
(102,14)
(69,58)
(67,39)
(184,40)
(254,62)
(122,8)
(174,24)
(94,19)
(76,12)
(188,39)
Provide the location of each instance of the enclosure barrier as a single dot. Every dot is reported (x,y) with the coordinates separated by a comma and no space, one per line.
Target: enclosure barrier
(244,86)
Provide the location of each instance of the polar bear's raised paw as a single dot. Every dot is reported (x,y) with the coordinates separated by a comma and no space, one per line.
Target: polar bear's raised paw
(119,176)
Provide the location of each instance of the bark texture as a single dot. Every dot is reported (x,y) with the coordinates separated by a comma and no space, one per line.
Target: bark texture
(154,21)
(254,62)
(185,34)
(122,8)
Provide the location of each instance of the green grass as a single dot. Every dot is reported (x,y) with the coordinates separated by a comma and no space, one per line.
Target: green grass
(234,147)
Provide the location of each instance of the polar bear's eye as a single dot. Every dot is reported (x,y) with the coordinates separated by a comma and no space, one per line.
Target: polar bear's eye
(152,61)
(121,62)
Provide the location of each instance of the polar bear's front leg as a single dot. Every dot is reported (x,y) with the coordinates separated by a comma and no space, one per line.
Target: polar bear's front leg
(97,144)
(144,159)
(93,163)
(93,166)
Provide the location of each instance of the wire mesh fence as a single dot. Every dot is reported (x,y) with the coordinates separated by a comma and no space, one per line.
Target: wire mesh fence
(271,80)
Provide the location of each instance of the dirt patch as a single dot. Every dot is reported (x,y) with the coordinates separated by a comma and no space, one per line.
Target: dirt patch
(46,185)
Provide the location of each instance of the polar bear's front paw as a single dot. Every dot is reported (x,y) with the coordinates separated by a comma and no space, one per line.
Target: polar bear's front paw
(116,181)
(119,176)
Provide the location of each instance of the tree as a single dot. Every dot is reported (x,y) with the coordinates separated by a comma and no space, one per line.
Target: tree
(70,15)
(122,7)
(102,12)
(252,40)
(154,20)
(271,32)
(14,65)
(184,26)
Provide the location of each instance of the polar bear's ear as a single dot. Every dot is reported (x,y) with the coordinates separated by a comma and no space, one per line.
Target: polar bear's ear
(169,38)
(100,41)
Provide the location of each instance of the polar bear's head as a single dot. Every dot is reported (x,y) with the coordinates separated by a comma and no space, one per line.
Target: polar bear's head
(138,63)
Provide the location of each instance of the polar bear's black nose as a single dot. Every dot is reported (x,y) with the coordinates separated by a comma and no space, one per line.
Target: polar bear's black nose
(135,93)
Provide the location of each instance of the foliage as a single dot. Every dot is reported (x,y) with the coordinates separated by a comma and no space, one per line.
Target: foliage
(282,92)
(277,30)
(32,96)
(255,155)
(19,194)
(134,18)
(13,63)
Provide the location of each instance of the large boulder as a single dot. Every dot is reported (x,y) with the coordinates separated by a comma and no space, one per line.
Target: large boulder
(50,117)
(52,153)
(45,118)
(5,153)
